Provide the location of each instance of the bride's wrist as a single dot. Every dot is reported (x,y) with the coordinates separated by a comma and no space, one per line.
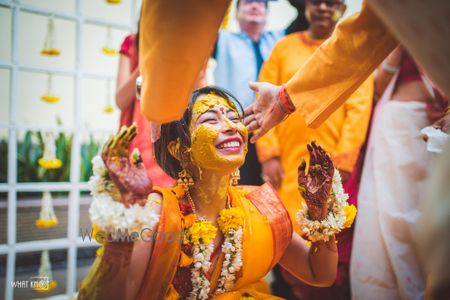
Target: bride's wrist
(330,245)
(317,212)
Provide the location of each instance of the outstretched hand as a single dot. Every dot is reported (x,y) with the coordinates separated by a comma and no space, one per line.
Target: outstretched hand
(264,114)
(131,178)
(315,186)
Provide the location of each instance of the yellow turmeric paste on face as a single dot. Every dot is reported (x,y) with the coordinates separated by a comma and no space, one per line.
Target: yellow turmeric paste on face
(203,138)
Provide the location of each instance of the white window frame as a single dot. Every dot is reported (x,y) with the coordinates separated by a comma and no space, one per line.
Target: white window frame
(72,242)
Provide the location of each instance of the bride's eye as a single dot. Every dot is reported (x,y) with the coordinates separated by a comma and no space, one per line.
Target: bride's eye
(234,118)
(209,118)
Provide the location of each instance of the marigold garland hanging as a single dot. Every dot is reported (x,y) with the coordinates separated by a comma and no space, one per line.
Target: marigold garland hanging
(49,96)
(45,272)
(49,48)
(108,48)
(47,216)
(113,1)
(108,108)
(49,160)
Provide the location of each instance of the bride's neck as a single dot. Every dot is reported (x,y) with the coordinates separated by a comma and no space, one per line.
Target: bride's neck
(209,194)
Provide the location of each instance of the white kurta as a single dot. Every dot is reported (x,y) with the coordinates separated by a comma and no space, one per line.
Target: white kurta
(384,263)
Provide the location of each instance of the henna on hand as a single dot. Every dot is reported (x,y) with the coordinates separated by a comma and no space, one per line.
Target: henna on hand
(315,187)
(131,179)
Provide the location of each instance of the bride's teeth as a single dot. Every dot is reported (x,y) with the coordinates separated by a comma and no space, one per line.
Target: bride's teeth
(230,144)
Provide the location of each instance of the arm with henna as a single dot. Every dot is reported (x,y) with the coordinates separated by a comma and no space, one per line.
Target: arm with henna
(316,265)
(315,186)
(109,274)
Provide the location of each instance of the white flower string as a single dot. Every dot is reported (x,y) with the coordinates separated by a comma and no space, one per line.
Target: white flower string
(108,213)
(231,248)
(202,263)
(335,221)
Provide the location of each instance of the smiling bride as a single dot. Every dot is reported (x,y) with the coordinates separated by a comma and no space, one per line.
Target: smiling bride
(207,237)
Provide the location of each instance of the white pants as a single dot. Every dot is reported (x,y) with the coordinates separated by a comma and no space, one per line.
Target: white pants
(384,263)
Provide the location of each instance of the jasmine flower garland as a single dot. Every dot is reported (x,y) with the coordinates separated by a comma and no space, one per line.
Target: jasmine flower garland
(201,234)
(340,216)
(107,212)
(231,223)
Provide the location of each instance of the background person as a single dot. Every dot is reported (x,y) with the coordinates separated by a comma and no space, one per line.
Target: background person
(342,134)
(396,166)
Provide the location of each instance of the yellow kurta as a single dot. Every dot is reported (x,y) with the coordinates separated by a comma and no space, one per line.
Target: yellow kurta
(342,63)
(177,36)
(176,39)
(341,135)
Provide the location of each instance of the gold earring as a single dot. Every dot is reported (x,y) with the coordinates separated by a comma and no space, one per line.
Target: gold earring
(185,179)
(235,176)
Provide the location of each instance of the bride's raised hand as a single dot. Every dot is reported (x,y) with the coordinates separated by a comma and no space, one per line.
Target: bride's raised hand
(315,186)
(130,178)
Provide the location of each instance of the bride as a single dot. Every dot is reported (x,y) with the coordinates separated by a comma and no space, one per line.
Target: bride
(207,237)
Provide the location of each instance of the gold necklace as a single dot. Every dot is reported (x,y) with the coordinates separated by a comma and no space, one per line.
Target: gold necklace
(194,209)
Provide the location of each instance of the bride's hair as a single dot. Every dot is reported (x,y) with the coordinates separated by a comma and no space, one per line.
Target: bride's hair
(180,129)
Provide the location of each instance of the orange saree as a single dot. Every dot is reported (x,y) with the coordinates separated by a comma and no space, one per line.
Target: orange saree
(267,226)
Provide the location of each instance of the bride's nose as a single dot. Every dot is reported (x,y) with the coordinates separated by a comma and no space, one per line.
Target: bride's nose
(229,127)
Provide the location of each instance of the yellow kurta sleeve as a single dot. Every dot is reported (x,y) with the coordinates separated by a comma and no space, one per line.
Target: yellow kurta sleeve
(358,45)
(176,39)
(267,146)
(357,115)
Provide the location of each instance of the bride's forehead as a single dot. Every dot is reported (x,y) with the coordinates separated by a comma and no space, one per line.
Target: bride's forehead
(212,101)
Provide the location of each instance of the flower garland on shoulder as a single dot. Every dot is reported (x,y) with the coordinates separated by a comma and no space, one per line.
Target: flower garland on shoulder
(341,215)
(199,241)
(107,213)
